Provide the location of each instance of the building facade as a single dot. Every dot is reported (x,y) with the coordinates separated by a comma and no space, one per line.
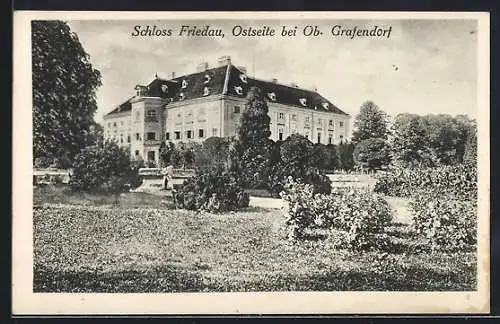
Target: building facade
(209,103)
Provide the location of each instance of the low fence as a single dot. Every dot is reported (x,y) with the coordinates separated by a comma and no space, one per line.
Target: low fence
(51,176)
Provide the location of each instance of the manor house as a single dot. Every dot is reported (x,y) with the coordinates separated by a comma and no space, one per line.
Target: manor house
(209,103)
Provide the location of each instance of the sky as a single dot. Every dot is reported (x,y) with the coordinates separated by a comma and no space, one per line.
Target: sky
(425,66)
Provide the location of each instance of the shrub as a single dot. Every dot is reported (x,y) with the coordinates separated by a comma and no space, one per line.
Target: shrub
(458,181)
(276,182)
(105,167)
(214,190)
(359,215)
(446,224)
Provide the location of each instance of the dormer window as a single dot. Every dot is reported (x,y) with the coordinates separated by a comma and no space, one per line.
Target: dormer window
(243,78)
(164,88)
(184,84)
(272,96)
(181,96)
(206,91)
(207,79)
(238,90)
(325,105)
(303,101)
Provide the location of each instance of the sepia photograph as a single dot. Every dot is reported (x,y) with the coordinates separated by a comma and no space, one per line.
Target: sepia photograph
(251,162)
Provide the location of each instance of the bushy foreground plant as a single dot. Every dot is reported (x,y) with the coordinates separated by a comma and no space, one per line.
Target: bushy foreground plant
(459,181)
(447,224)
(215,190)
(105,167)
(358,216)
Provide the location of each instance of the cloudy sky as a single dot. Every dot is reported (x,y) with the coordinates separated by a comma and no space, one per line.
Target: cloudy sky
(426,66)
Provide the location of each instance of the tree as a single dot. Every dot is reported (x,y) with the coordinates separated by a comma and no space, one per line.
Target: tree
(253,135)
(371,122)
(345,158)
(254,127)
(410,145)
(104,168)
(64,91)
(372,154)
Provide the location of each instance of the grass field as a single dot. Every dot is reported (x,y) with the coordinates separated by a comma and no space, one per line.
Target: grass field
(84,244)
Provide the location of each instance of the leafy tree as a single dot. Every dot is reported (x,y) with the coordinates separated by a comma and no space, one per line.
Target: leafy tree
(165,153)
(345,156)
(296,152)
(64,85)
(104,168)
(446,137)
(371,122)
(372,154)
(324,157)
(410,145)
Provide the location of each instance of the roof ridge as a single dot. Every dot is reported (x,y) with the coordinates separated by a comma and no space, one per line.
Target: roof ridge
(226,79)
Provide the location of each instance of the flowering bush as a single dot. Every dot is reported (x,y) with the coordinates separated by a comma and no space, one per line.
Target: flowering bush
(213,190)
(447,224)
(459,181)
(359,215)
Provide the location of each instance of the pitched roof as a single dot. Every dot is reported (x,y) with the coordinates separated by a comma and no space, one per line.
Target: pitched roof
(125,106)
(212,82)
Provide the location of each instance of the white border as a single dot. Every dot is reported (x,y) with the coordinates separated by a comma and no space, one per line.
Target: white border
(24,301)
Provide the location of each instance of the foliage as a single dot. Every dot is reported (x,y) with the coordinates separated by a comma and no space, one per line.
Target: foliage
(64,92)
(345,156)
(254,125)
(409,144)
(371,122)
(458,181)
(296,154)
(372,154)
(213,190)
(359,215)
(430,140)
(470,154)
(106,167)
(448,224)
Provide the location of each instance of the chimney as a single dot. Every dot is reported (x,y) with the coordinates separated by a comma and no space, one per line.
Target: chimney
(172,75)
(202,67)
(293,84)
(242,69)
(314,88)
(224,60)
(274,80)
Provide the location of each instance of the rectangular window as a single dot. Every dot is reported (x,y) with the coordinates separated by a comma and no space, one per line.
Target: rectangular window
(281,115)
(214,131)
(307,120)
(341,124)
(201,133)
(151,156)
(330,138)
(330,122)
(189,134)
(121,138)
(177,135)
(319,121)
(151,115)
(137,136)
(280,135)
(319,137)
(114,124)
(236,109)
(128,138)
(341,137)
(294,117)
(136,152)
(150,136)
(167,136)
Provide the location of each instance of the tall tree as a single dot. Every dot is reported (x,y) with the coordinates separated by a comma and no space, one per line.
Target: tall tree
(371,122)
(345,156)
(470,154)
(64,86)
(253,135)
(254,127)
(372,154)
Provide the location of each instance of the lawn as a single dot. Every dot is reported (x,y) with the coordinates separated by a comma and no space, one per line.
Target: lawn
(83,244)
